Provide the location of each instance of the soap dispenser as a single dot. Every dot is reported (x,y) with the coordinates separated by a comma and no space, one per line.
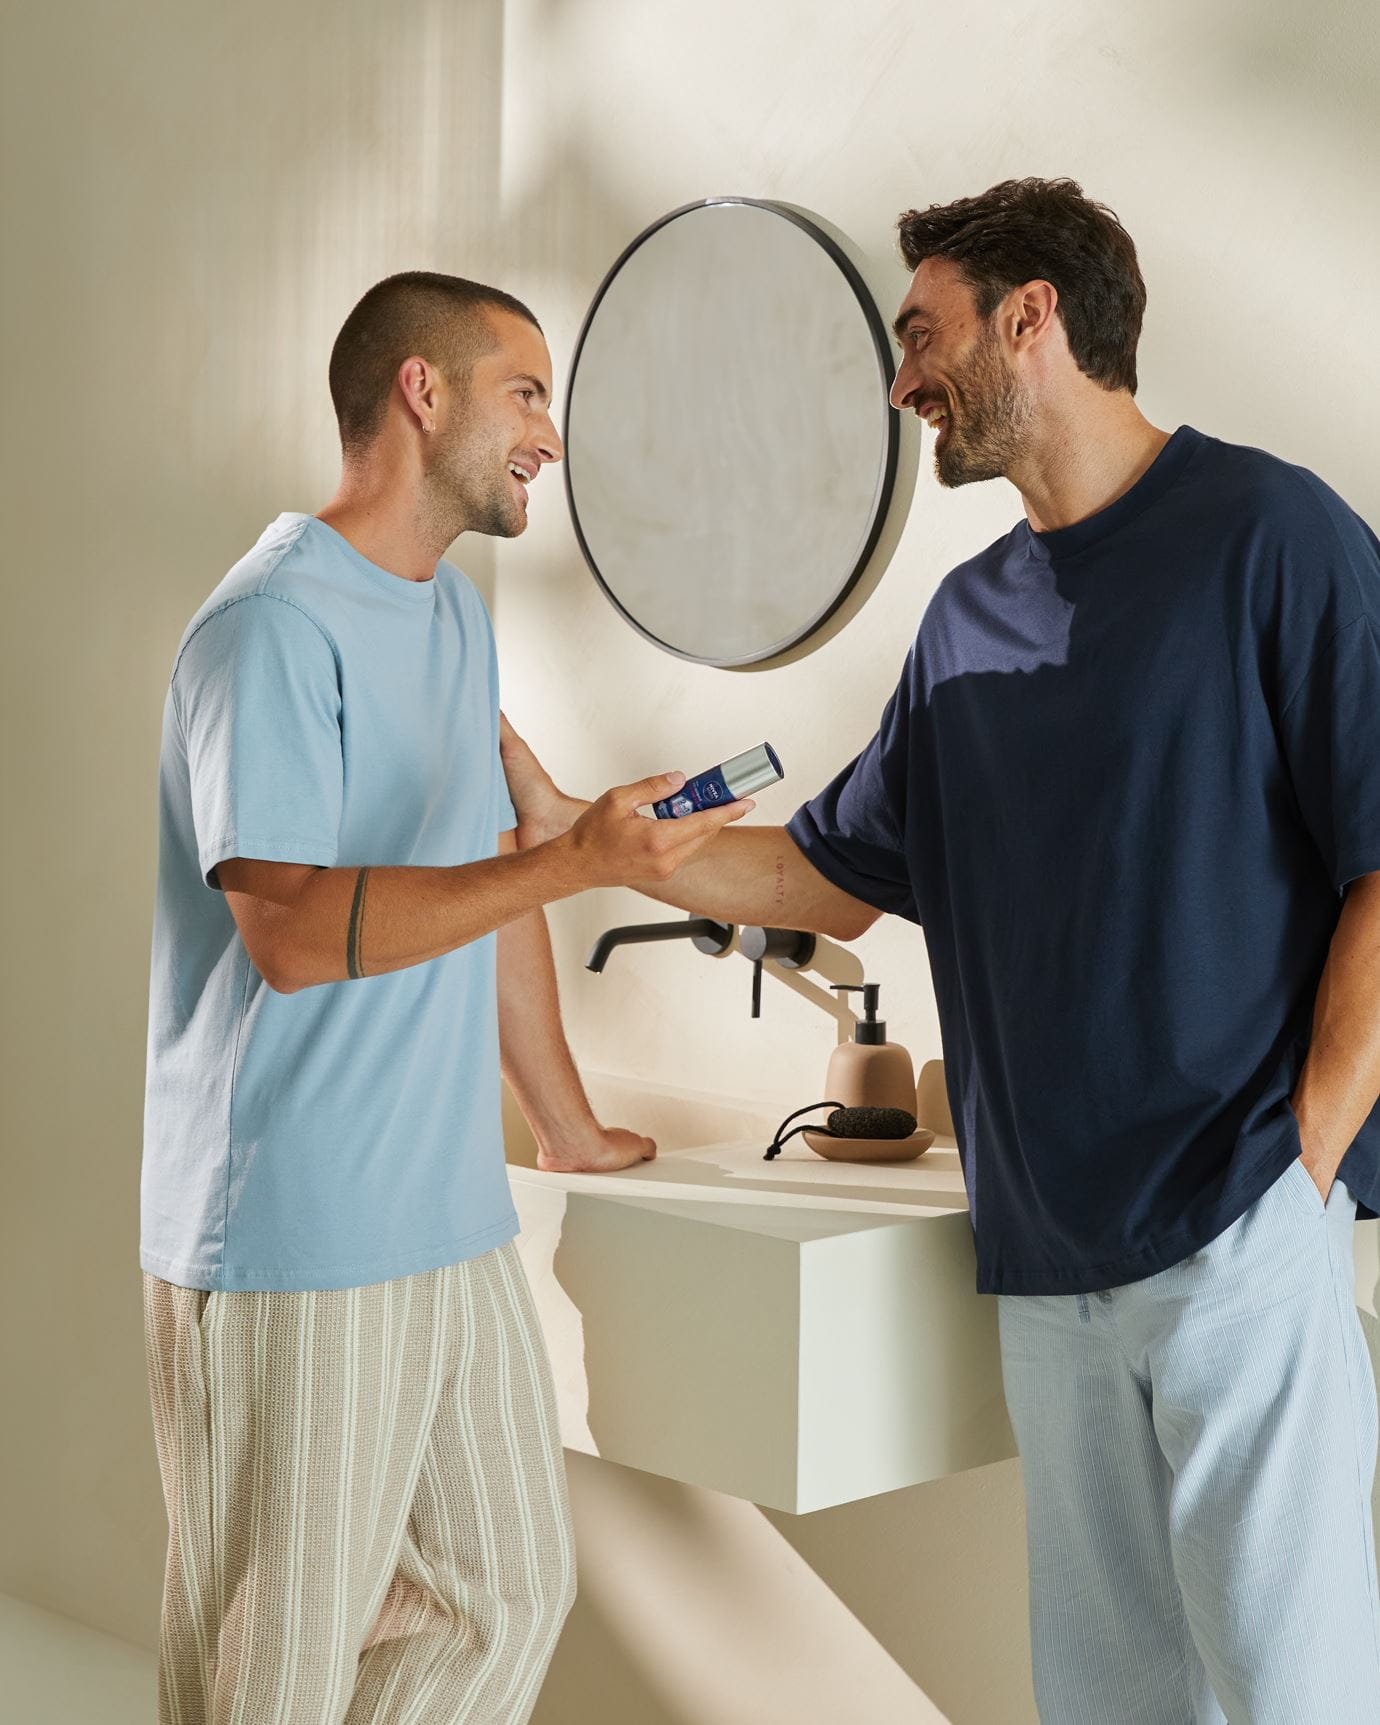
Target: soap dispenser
(869,1071)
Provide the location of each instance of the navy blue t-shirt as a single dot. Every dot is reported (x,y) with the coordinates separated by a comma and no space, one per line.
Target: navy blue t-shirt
(1127,772)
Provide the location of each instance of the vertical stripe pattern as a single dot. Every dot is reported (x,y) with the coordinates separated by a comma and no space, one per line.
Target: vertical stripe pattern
(368,1520)
(1198,1450)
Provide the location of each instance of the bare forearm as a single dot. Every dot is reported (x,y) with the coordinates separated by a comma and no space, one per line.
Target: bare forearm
(1341,1077)
(304,925)
(353,922)
(536,1058)
(758,875)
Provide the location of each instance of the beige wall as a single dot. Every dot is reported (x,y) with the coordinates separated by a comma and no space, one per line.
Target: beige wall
(193,197)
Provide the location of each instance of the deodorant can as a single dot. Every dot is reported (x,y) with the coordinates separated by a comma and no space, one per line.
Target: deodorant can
(740,777)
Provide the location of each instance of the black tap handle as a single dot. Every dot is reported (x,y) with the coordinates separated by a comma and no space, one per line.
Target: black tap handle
(791,948)
(757,988)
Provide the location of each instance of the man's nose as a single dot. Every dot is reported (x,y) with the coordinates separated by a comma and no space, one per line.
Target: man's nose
(902,388)
(549,445)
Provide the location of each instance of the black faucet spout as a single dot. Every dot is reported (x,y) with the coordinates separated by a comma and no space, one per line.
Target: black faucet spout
(708,936)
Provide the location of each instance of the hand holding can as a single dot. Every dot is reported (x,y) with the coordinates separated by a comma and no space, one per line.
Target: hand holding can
(739,777)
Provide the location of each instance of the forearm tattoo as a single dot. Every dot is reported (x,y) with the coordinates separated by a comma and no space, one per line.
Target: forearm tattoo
(354,940)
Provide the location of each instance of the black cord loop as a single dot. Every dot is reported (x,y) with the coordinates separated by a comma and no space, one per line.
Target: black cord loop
(778,1140)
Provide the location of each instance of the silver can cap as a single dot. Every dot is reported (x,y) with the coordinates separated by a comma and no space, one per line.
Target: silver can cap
(751,771)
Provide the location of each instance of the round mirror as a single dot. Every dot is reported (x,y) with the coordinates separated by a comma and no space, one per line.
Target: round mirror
(729,448)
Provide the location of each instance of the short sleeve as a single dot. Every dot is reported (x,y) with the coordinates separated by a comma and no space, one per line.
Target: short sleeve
(1330,731)
(257,693)
(852,831)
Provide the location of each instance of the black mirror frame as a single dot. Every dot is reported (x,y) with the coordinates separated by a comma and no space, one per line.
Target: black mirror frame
(886,374)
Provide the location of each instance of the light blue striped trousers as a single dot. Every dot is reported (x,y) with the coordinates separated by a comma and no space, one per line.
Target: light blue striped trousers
(1198,1450)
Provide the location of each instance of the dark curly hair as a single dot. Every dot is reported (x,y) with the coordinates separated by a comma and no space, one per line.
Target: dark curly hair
(1045,230)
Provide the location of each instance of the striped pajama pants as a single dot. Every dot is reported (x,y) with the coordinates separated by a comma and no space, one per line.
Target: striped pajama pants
(367,1508)
(1198,1450)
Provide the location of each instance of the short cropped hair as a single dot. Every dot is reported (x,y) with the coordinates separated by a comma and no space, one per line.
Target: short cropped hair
(1044,230)
(442,319)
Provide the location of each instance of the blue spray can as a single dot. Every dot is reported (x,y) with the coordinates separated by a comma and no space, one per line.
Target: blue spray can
(740,777)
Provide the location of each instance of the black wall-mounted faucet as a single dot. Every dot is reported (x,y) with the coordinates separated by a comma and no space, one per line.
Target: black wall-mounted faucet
(706,935)
(791,948)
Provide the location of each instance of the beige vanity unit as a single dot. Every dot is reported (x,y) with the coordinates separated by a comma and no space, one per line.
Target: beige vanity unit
(799,1333)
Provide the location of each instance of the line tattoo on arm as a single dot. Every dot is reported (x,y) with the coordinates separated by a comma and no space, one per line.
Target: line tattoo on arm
(354,940)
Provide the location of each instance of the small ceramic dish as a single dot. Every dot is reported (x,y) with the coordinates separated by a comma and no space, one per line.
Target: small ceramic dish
(869,1149)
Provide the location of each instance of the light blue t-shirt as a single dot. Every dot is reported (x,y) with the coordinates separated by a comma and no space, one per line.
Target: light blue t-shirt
(325,711)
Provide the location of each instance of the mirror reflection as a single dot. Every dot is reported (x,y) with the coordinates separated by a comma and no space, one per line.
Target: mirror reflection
(730,451)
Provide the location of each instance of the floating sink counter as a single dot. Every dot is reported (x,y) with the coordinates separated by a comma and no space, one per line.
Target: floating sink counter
(799,1333)
(737,1172)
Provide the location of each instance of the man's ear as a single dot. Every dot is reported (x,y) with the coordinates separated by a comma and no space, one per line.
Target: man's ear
(1033,309)
(420,385)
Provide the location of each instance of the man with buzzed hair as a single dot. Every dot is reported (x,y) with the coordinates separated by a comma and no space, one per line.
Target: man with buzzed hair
(352,1404)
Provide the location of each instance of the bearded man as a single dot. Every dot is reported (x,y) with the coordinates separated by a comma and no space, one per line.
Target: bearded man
(1129,785)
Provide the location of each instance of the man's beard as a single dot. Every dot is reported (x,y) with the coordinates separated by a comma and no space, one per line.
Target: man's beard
(464,495)
(991,436)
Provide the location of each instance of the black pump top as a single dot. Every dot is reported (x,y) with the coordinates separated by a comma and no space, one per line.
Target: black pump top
(870,1029)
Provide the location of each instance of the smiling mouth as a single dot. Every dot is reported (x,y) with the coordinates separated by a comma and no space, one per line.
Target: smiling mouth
(521,477)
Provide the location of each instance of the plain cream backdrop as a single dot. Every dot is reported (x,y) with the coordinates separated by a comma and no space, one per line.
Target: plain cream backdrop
(194,195)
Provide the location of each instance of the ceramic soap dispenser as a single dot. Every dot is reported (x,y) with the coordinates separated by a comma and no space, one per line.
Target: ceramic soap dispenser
(869,1071)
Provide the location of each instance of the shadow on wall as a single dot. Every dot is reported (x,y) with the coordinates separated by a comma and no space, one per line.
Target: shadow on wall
(937,1573)
(737,1627)
(603,1662)
(224,184)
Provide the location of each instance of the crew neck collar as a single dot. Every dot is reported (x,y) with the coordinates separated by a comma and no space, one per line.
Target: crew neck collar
(396,587)
(1162,472)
